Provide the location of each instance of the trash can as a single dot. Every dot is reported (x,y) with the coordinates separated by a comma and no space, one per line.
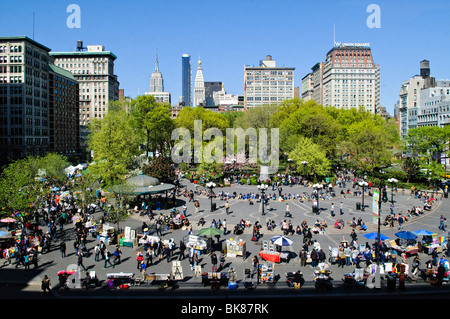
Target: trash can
(358,206)
(391,281)
(315,209)
(213,207)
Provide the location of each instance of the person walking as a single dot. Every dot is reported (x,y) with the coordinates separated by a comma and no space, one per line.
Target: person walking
(139,259)
(182,248)
(227,207)
(148,257)
(96,253)
(332,210)
(303,256)
(103,249)
(214,261)
(117,253)
(107,259)
(224,225)
(222,261)
(80,260)
(341,208)
(46,284)
(62,249)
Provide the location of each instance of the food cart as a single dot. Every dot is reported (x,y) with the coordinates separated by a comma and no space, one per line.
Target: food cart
(266,273)
(236,248)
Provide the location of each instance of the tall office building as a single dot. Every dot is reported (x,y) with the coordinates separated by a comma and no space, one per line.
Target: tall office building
(186,80)
(267,83)
(38,106)
(199,86)
(157,86)
(349,78)
(93,68)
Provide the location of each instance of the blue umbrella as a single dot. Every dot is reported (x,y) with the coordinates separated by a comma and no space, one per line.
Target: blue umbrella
(281,241)
(423,232)
(375,236)
(54,189)
(405,235)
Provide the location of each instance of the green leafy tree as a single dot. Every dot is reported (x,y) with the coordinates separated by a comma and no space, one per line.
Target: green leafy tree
(154,122)
(310,158)
(114,142)
(368,146)
(19,190)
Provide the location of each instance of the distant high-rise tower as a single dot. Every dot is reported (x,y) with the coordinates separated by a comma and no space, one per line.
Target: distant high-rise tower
(156,81)
(199,86)
(157,86)
(186,79)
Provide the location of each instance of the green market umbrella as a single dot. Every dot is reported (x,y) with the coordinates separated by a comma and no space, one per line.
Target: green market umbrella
(210,231)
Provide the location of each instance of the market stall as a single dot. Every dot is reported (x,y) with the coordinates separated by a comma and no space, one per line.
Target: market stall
(196,242)
(430,241)
(236,248)
(266,273)
(272,256)
(405,243)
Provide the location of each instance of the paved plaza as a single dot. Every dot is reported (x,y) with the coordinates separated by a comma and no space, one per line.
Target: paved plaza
(51,263)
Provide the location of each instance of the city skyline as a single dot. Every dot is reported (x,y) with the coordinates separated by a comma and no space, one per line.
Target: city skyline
(230,35)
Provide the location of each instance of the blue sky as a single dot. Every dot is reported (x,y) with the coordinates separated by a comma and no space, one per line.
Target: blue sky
(230,34)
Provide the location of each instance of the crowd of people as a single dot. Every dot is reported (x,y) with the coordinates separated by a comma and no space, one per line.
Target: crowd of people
(58,211)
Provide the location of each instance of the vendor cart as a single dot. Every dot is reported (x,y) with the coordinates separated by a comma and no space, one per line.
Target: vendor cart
(236,248)
(120,280)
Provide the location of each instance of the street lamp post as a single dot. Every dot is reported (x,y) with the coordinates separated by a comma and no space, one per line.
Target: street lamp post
(381,196)
(363,184)
(262,188)
(211,186)
(392,181)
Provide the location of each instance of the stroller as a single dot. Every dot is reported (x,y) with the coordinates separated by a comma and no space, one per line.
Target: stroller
(248,279)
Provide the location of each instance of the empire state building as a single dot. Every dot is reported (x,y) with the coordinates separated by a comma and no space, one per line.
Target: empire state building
(157,86)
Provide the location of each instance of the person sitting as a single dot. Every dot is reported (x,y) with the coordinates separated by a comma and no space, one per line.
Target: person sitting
(363,226)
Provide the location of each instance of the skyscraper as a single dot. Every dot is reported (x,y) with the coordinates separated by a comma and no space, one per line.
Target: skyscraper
(186,80)
(348,78)
(199,86)
(156,81)
(157,86)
